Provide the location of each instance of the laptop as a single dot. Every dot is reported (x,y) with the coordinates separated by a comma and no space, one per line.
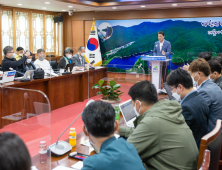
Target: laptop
(128,112)
(28,74)
(70,66)
(8,76)
(169,91)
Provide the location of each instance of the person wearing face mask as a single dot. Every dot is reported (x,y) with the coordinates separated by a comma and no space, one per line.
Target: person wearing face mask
(41,62)
(195,109)
(28,64)
(200,70)
(99,126)
(19,53)
(66,59)
(215,72)
(161,136)
(9,62)
(79,58)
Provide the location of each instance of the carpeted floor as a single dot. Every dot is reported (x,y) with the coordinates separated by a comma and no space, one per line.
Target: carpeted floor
(36,129)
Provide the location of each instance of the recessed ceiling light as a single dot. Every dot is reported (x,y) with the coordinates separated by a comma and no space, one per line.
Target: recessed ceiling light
(114,7)
(47,2)
(143,6)
(44,8)
(174,4)
(70,6)
(209,3)
(19,4)
(63,10)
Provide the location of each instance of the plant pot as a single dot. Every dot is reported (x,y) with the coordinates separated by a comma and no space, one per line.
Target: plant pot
(112,102)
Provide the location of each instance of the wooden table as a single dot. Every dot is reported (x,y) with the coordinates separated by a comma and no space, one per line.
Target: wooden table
(61,91)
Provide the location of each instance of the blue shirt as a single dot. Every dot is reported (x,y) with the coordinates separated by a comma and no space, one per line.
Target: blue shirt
(186,96)
(115,154)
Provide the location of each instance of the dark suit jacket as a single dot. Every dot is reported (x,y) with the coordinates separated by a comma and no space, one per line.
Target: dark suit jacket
(219,82)
(166,48)
(195,112)
(62,62)
(77,62)
(212,94)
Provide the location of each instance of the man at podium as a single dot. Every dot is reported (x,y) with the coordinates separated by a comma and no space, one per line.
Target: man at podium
(162,48)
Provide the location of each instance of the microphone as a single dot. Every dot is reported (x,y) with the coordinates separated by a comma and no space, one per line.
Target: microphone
(62,147)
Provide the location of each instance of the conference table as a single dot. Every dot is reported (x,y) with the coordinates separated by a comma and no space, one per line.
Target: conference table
(64,160)
(60,91)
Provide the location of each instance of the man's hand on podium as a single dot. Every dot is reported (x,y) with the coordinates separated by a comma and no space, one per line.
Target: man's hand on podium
(163,52)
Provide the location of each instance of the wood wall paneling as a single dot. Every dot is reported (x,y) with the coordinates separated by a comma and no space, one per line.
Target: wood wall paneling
(77,34)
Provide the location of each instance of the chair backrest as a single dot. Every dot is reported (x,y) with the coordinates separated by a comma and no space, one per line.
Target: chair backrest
(212,142)
(53,64)
(33,57)
(206,161)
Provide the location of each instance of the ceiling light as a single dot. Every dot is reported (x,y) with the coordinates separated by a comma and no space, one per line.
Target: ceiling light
(44,8)
(70,6)
(143,6)
(19,4)
(174,4)
(63,10)
(47,2)
(114,7)
(209,3)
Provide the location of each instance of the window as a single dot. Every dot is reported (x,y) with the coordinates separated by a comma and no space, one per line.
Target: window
(7,28)
(50,31)
(38,31)
(22,29)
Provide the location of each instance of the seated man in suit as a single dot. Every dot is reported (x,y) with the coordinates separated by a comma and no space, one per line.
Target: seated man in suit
(79,58)
(195,109)
(161,136)
(19,53)
(99,126)
(200,70)
(215,70)
(41,62)
(66,59)
(162,48)
(9,62)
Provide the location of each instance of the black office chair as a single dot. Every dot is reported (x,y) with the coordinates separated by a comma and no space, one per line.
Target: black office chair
(53,64)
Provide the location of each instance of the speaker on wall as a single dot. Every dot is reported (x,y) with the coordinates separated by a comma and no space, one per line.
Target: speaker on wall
(58,19)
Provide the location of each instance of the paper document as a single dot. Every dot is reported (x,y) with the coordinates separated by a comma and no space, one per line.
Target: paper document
(78,165)
(62,168)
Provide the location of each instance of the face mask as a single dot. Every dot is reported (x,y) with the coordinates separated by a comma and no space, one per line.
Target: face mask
(176,96)
(69,56)
(13,55)
(82,54)
(137,113)
(195,83)
(92,143)
(41,58)
(20,55)
(29,60)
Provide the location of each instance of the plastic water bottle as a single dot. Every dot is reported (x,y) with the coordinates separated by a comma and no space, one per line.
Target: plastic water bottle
(117,112)
(43,152)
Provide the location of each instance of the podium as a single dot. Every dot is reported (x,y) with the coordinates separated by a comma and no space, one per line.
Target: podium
(156,68)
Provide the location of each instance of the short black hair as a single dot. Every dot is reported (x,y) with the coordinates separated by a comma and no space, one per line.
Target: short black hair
(19,49)
(161,32)
(205,55)
(180,76)
(99,119)
(7,49)
(67,50)
(214,66)
(219,59)
(144,91)
(13,153)
(80,48)
(40,50)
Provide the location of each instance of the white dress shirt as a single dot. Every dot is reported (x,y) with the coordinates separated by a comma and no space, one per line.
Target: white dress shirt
(161,45)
